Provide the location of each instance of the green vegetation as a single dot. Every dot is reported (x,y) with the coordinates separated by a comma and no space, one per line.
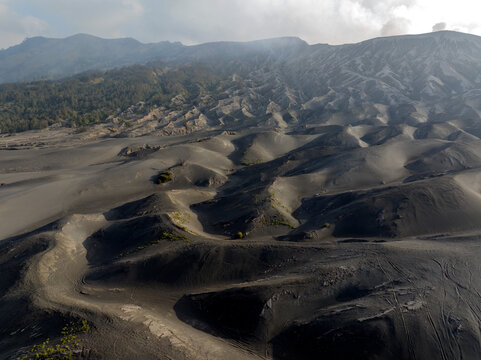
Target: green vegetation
(239,235)
(278,220)
(168,236)
(326,225)
(164,176)
(90,98)
(250,163)
(179,218)
(63,348)
(276,203)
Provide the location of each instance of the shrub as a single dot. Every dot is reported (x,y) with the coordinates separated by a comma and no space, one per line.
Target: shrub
(239,235)
(250,163)
(164,176)
(64,348)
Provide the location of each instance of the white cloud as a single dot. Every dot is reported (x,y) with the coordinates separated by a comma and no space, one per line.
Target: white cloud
(333,21)
(14,27)
(461,15)
(440,26)
(194,21)
(395,26)
(107,18)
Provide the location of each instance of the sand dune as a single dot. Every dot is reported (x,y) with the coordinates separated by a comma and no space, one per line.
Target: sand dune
(173,241)
(342,231)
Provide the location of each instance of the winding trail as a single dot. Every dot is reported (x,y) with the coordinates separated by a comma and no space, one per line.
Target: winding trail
(57,277)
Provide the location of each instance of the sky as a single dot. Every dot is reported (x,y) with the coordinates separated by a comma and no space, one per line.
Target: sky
(198,21)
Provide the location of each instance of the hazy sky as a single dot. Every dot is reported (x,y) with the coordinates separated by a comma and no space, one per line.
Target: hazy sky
(196,21)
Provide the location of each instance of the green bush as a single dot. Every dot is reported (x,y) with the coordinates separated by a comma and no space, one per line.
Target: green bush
(164,176)
(65,346)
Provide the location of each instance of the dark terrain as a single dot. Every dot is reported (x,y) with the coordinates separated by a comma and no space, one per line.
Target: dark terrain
(298,202)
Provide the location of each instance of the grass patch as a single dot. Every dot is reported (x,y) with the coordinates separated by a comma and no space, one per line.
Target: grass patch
(63,348)
(276,203)
(278,220)
(179,217)
(165,236)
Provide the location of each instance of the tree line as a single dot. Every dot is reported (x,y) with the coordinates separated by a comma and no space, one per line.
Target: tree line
(92,97)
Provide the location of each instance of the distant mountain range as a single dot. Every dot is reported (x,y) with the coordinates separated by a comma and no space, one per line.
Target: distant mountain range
(41,58)
(404,79)
(408,67)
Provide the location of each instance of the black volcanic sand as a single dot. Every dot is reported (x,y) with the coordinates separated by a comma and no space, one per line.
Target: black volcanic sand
(298,220)
(373,272)
(346,300)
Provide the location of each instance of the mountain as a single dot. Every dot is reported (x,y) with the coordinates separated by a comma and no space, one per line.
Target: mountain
(405,79)
(414,67)
(43,58)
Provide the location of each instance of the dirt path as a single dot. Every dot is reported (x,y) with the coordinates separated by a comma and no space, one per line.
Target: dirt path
(58,279)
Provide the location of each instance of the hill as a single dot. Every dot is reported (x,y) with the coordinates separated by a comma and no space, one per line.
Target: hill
(44,58)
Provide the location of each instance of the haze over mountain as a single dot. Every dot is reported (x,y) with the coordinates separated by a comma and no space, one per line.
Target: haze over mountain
(43,58)
(261,200)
